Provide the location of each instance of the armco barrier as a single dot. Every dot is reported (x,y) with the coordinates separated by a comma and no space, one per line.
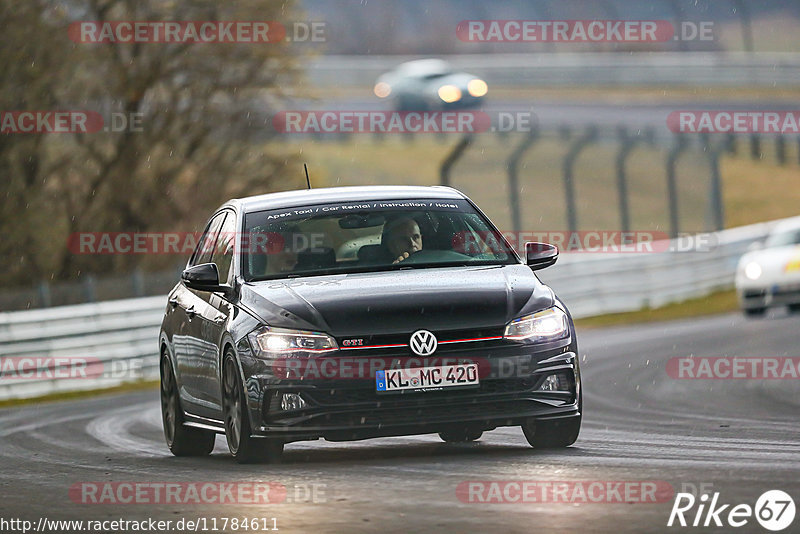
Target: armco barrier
(120,331)
(126,331)
(594,284)
(715,69)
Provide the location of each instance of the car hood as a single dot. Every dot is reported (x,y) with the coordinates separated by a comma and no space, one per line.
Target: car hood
(399,301)
(776,263)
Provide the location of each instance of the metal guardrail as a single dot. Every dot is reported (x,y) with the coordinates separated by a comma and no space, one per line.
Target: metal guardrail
(88,288)
(98,345)
(118,338)
(758,69)
(594,284)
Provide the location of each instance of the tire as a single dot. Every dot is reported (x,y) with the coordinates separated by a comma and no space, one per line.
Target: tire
(552,434)
(460,435)
(181,439)
(794,308)
(754,312)
(245,448)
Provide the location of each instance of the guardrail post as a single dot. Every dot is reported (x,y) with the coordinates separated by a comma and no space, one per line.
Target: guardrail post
(730,143)
(747,26)
(571,156)
(780,150)
(89,288)
(672,185)
(755,146)
(44,294)
(512,165)
(452,157)
(137,282)
(679,17)
(627,144)
(715,183)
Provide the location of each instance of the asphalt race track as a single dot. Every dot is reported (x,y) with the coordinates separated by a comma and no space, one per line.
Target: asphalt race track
(736,437)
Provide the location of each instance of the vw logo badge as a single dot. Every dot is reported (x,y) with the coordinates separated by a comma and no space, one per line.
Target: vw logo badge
(423,343)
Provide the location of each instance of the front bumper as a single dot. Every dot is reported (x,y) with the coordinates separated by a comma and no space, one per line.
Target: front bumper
(766,296)
(351,409)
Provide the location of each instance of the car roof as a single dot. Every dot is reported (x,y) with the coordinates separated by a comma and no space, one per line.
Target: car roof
(424,67)
(306,197)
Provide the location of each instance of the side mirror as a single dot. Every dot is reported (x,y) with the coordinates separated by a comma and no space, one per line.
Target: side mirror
(204,277)
(540,255)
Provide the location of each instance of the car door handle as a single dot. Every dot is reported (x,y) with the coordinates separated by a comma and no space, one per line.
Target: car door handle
(191,311)
(173,301)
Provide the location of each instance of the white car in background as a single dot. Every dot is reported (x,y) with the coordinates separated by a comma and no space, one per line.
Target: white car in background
(430,85)
(770,276)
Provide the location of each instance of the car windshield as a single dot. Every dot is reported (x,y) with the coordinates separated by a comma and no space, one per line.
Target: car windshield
(434,75)
(368,236)
(784,239)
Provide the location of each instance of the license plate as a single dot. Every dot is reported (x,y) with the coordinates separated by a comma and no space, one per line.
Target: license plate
(427,378)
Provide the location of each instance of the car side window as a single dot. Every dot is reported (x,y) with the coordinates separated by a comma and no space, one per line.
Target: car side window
(223,251)
(205,247)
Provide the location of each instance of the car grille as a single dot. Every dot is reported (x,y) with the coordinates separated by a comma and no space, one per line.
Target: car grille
(413,415)
(786,291)
(328,397)
(397,343)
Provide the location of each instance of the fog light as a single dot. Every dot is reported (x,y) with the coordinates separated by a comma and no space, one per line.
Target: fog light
(556,382)
(292,401)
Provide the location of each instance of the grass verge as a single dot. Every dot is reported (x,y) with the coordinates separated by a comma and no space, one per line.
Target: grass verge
(715,303)
(753,190)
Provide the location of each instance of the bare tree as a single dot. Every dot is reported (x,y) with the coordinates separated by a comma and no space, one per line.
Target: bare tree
(198,105)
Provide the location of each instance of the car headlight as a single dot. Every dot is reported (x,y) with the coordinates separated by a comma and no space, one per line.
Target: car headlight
(477,87)
(546,325)
(382,89)
(752,270)
(449,93)
(271,342)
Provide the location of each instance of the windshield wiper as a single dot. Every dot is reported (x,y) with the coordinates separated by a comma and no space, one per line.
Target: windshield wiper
(383,268)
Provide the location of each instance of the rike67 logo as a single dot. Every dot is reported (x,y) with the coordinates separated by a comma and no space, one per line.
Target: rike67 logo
(774,510)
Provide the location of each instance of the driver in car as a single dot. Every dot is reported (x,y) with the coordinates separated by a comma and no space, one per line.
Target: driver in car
(402,238)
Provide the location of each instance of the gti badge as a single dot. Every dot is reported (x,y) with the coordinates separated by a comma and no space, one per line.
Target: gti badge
(423,343)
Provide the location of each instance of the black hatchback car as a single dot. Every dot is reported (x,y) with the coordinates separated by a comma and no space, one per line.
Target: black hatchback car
(360,312)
